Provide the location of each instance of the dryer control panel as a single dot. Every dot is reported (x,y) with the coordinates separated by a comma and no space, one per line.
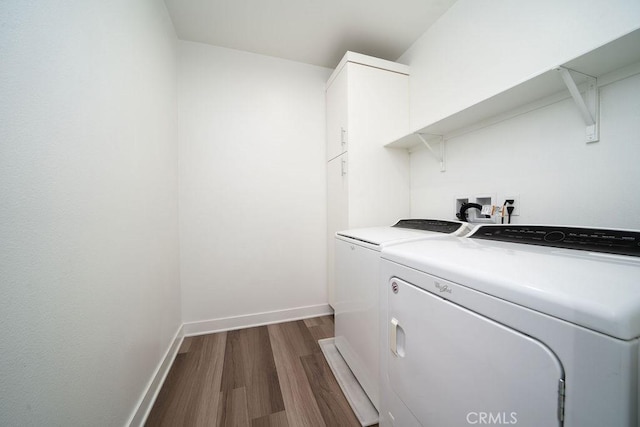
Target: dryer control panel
(620,242)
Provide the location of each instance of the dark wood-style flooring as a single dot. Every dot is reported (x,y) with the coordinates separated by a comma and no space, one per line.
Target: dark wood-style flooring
(271,375)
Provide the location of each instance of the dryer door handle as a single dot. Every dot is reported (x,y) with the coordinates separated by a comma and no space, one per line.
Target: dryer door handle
(393,336)
(396,338)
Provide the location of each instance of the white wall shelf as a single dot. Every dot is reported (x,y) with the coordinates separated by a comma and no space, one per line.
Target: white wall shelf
(613,61)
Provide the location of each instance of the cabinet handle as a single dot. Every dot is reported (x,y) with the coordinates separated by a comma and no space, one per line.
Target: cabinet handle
(343,136)
(343,167)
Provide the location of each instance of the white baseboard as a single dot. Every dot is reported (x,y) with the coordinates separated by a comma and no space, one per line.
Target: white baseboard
(258,319)
(143,408)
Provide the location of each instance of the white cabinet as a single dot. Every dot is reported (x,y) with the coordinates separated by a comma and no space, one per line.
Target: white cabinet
(338,217)
(337,116)
(367,184)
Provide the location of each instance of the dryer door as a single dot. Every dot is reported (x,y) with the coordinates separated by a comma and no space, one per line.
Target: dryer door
(453,367)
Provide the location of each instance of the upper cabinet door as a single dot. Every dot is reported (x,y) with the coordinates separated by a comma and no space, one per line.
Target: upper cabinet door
(379,102)
(337,112)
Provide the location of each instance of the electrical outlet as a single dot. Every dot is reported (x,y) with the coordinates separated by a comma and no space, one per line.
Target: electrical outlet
(516,203)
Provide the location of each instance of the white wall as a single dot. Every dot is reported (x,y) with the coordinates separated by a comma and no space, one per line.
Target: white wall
(481,47)
(252,183)
(542,156)
(89,277)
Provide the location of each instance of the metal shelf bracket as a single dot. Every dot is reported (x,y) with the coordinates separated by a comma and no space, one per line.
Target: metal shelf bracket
(587,106)
(438,155)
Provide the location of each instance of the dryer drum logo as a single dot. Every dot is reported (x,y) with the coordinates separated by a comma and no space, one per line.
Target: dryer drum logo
(394,287)
(443,288)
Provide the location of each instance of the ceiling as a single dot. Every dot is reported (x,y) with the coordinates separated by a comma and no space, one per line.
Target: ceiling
(316,32)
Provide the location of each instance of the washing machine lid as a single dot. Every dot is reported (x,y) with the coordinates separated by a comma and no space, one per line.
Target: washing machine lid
(404,230)
(596,290)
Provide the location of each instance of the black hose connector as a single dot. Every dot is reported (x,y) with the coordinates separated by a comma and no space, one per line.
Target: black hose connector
(462,215)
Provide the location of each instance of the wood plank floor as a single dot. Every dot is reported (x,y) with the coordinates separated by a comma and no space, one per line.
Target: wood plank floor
(265,376)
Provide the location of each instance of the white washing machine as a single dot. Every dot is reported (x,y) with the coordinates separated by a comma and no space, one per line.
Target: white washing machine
(357,276)
(512,325)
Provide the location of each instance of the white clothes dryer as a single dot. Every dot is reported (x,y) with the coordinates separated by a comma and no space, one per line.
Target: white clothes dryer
(357,276)
(512,324)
